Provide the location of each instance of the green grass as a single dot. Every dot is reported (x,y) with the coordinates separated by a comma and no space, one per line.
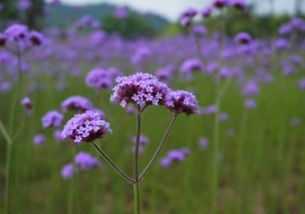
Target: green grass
(262,169)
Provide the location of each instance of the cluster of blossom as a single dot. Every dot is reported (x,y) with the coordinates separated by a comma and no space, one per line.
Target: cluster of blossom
(100,78)
(182,101)
(39,139)
(82,161)
(211,109)
(189,66)
(27,104)
(18,39)
(203,143)
(24,4)
(296,23)
(251,89)
(188,15)
(145,89)
(52,119)
(86,127)
(76,103)
(174,156)
(243,38)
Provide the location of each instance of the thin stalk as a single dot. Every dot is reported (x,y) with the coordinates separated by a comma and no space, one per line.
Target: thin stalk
(9,145)
(5,133)
(219,94)
(157,152)
(215,149)
(136,186)
(113,165)
(240,162)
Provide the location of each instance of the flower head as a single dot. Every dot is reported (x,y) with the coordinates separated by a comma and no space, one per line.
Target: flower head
(243,38)
(182,102)
(27,104)
(86,127)
(67,171)
(142,89)
(39,139)
(100,78)
(52,119)
(76,103)
(174,156)
(85,161)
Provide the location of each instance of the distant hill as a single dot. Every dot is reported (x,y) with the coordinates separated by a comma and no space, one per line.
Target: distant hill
(63,15)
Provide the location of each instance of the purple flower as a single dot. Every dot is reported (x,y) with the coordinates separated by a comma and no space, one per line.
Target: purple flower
(211,109)
(203,143)
(207,11)
(142,89)
(243,38)
(27,104)
(189,66)
(223,117)
(165,73)
(281,44)
(174,156)
(220,3)
(23,4)
(37,38)
(52,119)
(225,73)
(285,29)
(2,40)
(86,127)
(190,12)
(302,84)
(250,103)
(238,4)
(85,161)
(182,102)
(67,171)
(76,103)
(251,89)
(39,139)
(57,135)
(199,30)
(99,78)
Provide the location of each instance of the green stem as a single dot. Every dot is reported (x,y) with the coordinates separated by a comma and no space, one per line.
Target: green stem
(136,186)
(240,162)
(164,138)
(9,145)
(113,165)
(215,148)
(5,133)
(136,193)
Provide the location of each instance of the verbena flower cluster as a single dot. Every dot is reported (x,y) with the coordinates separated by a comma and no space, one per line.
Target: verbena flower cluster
(174,156)
(82,161)
(76,103)
(141,88)
(52,119)
(100,78)
(86,127)
(145,89)
(182,101)
(18,38)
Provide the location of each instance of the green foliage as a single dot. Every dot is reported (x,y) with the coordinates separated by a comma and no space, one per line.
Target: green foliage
(132,26)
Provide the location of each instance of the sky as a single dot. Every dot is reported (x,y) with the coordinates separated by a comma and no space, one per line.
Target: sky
(172,8)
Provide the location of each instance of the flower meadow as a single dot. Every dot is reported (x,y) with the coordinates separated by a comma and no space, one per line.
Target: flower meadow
(199,122)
